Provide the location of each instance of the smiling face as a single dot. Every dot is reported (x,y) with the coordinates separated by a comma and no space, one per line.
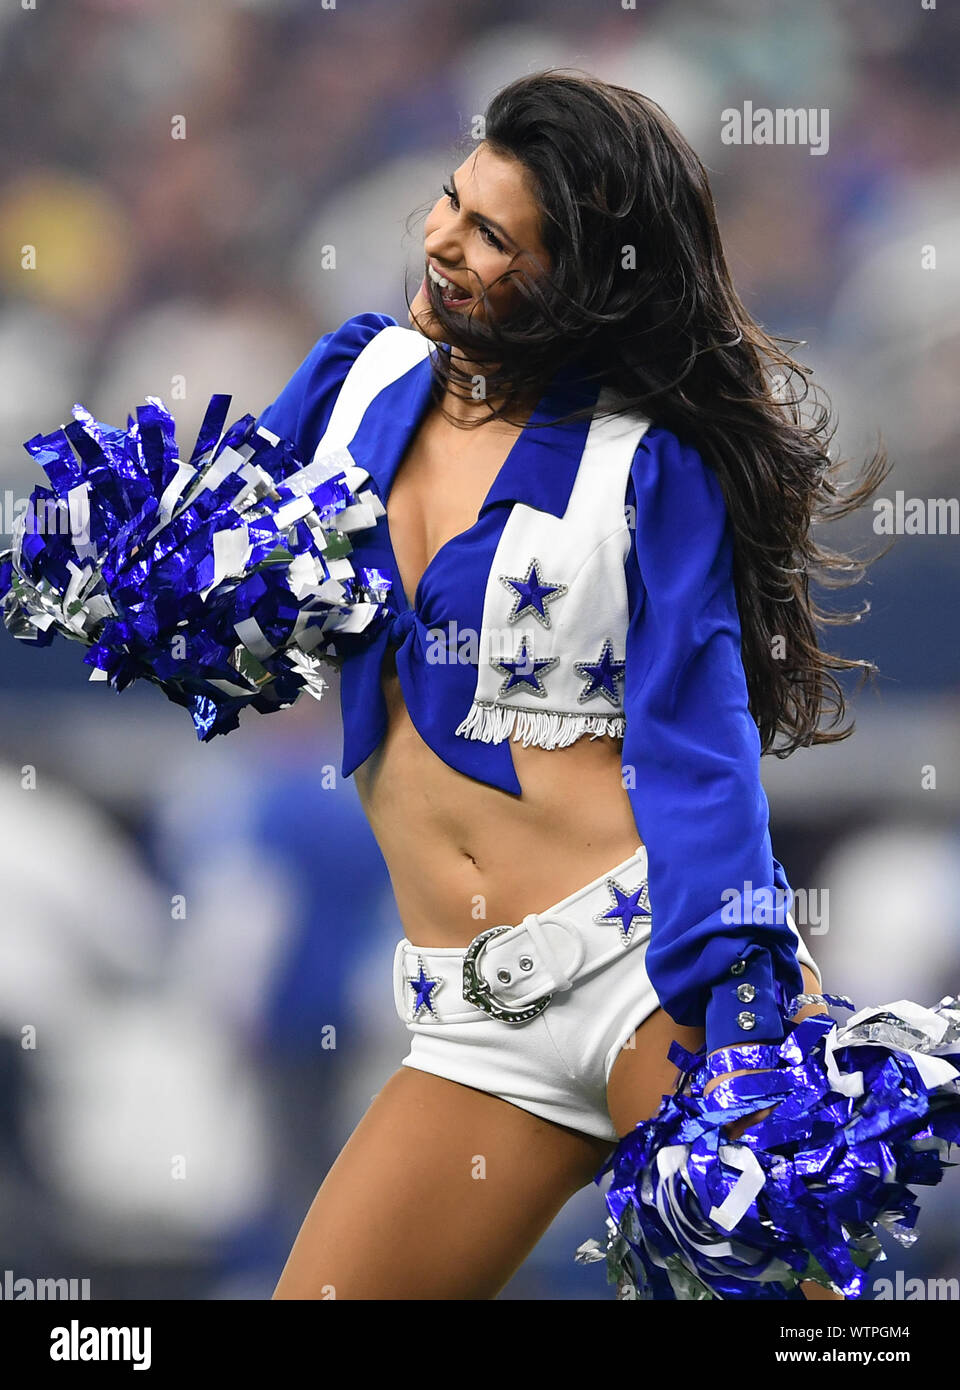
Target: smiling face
(486,223)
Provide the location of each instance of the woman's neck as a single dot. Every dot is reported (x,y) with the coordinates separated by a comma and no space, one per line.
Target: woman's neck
(467,409)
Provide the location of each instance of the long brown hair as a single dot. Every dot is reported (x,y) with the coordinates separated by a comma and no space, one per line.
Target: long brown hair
(640,298)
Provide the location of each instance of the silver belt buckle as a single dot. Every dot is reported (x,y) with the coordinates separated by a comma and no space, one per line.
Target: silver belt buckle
(478,992)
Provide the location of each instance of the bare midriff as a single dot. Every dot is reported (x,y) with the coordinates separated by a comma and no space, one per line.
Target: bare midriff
(463,855)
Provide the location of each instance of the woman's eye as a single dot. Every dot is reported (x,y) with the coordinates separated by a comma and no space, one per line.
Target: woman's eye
(485,232)
(491,240)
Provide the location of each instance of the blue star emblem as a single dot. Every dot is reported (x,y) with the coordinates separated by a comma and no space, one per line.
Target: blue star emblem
(627,908)
(601,675)
(524,669)
(532,594)
(423,986)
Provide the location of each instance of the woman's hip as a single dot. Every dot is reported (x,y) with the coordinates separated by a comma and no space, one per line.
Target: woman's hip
(538,1011)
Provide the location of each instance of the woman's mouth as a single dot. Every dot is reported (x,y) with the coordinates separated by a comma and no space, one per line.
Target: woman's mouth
(451,293)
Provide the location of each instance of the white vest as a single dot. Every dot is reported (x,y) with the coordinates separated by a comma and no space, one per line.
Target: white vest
(583,553)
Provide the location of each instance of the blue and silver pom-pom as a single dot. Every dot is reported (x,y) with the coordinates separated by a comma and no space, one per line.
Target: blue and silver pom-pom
(225,579)
(861,1111)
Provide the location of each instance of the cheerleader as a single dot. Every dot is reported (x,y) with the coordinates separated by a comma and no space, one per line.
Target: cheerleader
(584,462)
(586,486)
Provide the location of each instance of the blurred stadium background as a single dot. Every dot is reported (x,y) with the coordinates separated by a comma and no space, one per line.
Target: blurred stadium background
(196,1025)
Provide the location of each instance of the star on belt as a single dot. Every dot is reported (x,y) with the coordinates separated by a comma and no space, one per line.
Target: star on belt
(628,907)
(423,986)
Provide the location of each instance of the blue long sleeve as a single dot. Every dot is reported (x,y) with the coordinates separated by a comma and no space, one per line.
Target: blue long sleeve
(301,411)
(691,756)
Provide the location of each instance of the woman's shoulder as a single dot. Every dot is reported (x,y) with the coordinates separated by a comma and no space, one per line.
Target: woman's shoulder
(663,448)
(339,347)
(670,469)
(300,409)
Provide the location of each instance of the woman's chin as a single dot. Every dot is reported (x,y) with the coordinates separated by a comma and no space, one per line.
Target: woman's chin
(421,317)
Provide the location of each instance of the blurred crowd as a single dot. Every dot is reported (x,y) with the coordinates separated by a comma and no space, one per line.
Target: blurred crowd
(196,941)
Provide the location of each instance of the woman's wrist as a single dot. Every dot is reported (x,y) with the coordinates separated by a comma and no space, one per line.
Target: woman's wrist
(739,1059)
(754,1057)
(744,1007)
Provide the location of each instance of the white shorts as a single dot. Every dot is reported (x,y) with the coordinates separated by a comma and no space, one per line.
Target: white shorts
(585,956)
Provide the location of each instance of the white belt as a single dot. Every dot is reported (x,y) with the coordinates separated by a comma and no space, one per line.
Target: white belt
(511,972)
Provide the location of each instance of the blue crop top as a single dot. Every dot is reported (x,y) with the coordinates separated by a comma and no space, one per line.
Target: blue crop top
(718,957)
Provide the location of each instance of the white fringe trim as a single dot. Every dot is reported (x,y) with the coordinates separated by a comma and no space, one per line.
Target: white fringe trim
(546,729)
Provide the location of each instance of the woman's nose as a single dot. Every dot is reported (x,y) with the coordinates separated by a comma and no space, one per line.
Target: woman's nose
(445,253)
(444,245)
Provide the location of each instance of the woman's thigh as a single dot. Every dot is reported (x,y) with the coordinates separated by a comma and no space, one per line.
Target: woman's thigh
(441,1192)
(641,1074)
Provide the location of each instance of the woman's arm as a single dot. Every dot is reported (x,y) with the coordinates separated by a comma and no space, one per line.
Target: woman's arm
(720,940)
(301,411)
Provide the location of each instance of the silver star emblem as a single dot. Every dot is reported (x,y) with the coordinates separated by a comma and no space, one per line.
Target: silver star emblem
(629,906)
(524,671)
(423,986)
(532,594)
(601,676)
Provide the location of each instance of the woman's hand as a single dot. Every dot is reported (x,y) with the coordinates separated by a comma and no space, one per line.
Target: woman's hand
(808,1287)
(736,1127)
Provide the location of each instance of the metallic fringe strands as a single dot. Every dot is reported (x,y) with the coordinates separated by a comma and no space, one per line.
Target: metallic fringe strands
(546,729)
(224,580)
(860,1111)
